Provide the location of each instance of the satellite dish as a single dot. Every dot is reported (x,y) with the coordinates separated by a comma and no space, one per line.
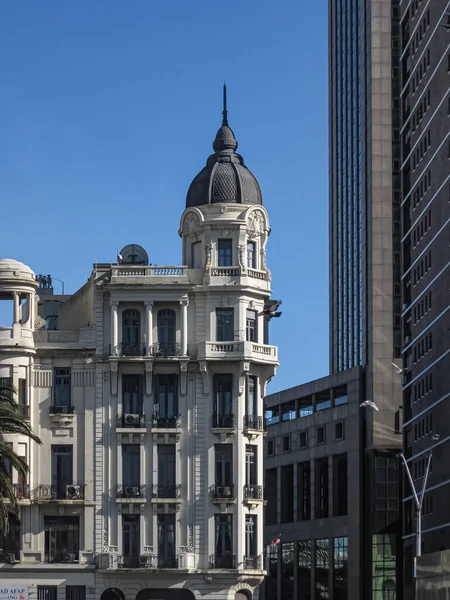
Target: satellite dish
(133,254)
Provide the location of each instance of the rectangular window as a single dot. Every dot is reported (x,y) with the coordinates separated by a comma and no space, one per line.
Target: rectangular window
(47,592)
(303,439)
(304,552)
(322,556)
(223,541)
(270,448)
(225,324)
(251,471)
(62,470)
(225,253)
(224,464)
(196,255)
(223,401)
(166,407)
(251,547)
(131,467)
(287,494)
(321,435)
(339,431)
(271,583)
(62,539)
(75,592)
(271,491)
(287,570)
(286,443)
(322,488)
(132,394)
(252,398)
(166,541)
(251,326)
(61,388)
(303,491)
(166,471)
(251,255)
(340,568)
(340,485)
(130,540)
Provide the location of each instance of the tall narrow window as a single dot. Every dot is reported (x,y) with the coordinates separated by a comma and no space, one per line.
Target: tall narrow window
(166,541)
(251,472)
(166,471)
(131,469)
(322,488)
(47,592)
(223,402)
(166,408)
(287,493)
(166,324)
(223,541)
(132,394)
(251,547)
(322,568)
(224,470)
(304,491)
(130,540)
(62,470)
(131,332)
(340,567)
(251,255)
(252,397)
(225,252)
(75,592)
(251,326)
(225,324)
(61,390)
(340,485)
(196,255)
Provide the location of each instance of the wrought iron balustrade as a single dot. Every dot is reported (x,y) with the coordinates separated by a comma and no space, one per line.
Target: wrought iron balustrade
(223,561)
(166,349)
(129,562)
(24,410)
(253,422)
(223,421)
(69,491)
(166,491)
(129,491)
(163,422)
(253,492)
(21,491)
(129,349)
(62,556)
(169,561)
(65,409)
(131,420)
(223,492)
(253,563)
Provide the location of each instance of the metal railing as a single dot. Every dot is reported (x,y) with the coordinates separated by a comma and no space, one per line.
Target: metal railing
(161,422)
(167,561)
(129,349)
(253,492)
(62,409)
(68,491)
(23,410)
(129,491)
(131,420)
(223,561)
(253,422)
(222,421)
(62,557)
(21,491)
(166,349)
(166,490)
(147,561)
(222,492)
(253,563)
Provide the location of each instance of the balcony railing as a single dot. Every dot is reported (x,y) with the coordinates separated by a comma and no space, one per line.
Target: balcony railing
(253,563)
(129,491)
(166,491)
(253,492)
(222,492)
(131,420)
(128,562)
(150,271)
(223,561)
(166,349)
(61,557)
(253,422)
(161,422)
(148,561)
(167,562)
(21,491)
(65,409)
(222,421)
(129,349)
(70,491)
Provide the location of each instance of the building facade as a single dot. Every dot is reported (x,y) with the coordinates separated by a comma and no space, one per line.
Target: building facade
(365,243)
(425,136)
(147,391)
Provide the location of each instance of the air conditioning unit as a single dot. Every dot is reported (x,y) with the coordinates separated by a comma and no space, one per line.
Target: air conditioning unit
(73,492)
(226,491)
(132,420)
(132,491)
(146,560)
(8,558)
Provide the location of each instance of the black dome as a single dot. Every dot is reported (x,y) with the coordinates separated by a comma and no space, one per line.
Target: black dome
(225,178)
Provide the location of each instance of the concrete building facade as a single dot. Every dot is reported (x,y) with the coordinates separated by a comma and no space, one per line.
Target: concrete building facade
(147,391)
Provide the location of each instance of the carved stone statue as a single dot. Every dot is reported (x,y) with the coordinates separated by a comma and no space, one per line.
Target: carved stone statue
(208,249)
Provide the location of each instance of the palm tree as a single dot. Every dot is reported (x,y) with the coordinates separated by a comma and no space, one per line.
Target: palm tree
(11,422)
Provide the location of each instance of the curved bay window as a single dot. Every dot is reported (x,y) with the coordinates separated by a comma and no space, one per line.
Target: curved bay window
(166,325)
(131,332)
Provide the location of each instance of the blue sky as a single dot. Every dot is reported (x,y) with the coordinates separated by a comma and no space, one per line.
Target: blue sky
(109,109)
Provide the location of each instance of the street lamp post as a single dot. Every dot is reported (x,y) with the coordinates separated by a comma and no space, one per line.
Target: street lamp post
(61,282)
(419,499)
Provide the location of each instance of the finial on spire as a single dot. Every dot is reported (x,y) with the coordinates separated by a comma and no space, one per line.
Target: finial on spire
(224,112)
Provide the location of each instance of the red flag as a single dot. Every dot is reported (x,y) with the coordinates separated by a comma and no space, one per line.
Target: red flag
(274,542)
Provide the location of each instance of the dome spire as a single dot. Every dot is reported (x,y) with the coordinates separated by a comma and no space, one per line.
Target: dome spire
(224,112)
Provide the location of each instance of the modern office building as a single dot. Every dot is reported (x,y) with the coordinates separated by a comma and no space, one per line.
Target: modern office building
(146,387)
(365,249)
(425,171)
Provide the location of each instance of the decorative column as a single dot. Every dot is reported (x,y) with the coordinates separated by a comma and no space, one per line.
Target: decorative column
(16,298)
(184,302)
(114,326)
(149,326)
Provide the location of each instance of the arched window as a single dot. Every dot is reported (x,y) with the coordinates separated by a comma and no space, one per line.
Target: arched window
(131,332)
(112,594)
(166,323)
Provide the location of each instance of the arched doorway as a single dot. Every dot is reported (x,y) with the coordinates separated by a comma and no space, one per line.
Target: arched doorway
(112,594)
(165,593)
(243,595)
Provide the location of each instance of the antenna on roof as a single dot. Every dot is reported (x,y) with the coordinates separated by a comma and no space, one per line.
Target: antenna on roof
(224,112)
